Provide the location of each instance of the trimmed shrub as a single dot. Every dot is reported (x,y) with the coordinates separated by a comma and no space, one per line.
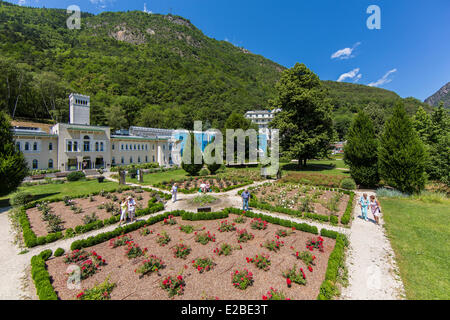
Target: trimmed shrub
(59,252)
(20,198)
(41,277)
(348,183)
(75,176)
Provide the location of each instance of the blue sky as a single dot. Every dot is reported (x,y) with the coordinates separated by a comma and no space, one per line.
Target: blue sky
(410,54)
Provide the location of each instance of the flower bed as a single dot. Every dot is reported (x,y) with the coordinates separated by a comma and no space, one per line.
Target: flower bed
(34,227)
(217,184)
(216,282)
(324,204)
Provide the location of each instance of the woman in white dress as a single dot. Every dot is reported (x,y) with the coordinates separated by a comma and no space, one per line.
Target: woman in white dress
(375,207)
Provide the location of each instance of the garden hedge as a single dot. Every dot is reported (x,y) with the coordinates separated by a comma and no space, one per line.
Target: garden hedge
(345,219)
(41,277)
(327,289)
(31,240)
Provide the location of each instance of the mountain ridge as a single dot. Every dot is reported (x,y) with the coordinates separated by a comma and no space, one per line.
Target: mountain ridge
(443,94)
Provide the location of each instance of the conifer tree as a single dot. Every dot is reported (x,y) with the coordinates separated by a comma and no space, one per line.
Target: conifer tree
(189,162)
(361,150)
(402,156)
(13,167)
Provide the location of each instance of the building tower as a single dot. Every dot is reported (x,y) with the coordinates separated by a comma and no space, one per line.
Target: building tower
(79,109)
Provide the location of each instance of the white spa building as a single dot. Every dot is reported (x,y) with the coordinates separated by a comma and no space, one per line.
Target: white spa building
(77,145)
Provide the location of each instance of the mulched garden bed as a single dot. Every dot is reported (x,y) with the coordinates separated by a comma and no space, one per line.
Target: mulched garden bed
(72,219)
(209,284)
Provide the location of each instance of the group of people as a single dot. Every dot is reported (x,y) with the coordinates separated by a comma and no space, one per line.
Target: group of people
(127,206)
(373,204)
(204,186)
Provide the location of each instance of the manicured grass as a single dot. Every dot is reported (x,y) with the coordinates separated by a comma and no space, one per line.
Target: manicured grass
(420,236)
(152,178)
(339,163)
(318,166)
(49,191)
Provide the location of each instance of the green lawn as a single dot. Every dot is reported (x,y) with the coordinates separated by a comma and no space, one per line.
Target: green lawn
(420,236)
(49,191)
(152,178)
(334,167)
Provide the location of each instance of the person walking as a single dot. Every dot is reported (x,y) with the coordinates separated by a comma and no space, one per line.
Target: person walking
(245,198)
(174,192)
(375,207)
(364,204)
(123,208)
(131,208)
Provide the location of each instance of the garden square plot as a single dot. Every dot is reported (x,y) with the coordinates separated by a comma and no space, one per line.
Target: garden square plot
(216,282)
(73,211)
(303,198)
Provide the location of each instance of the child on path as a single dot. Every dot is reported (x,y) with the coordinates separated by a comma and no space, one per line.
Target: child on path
(375,206)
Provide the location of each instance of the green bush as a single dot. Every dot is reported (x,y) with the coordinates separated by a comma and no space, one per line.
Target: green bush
(20,198)
(59,252)
(345,219)
(203,172)
(41,277)
(348,183)
(75,176)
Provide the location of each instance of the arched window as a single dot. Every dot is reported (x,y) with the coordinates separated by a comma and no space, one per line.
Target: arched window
(75,146)
(86,138)
(69,146)
(101,146)
(35,164)
(50,146)
(96,146)
(18,145)
(50,163)
(35,146)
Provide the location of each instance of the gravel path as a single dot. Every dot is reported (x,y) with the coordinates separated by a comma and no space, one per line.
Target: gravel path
(373,274)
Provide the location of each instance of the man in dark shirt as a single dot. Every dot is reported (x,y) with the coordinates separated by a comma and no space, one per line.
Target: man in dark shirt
(245,198)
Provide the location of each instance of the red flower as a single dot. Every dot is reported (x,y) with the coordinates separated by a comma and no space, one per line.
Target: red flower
(288,281)
(264,297)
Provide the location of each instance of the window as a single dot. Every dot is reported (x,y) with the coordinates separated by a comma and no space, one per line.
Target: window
(69,146)
(113,161)
(86,138)
(164,147)
(153,147)
(134,147)
(146,159)
(122,146)
(50,146)
(101,146)
(27,146)
(112,146)
(131,159)
(75,146)
(18,145)
(86,146)
(145,147)
(96,146)
(122,160)
(126,146)
(50,163)
(153,158)
(35,146)
(139,147)
(35,164)
(139,159)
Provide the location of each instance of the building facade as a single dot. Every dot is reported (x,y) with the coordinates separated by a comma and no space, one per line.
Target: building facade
(79,146)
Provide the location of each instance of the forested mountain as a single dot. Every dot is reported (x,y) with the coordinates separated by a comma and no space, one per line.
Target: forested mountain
(442,95)
(142,69)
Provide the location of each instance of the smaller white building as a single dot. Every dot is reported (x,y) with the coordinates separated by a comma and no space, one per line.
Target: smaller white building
(262,118)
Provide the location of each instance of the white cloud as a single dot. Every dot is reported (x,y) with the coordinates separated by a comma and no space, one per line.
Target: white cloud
(354,74)
(345,53)
(359,76)
(383,80)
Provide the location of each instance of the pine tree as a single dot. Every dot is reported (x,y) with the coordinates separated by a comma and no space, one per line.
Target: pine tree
(189,162)
(402,156)
(13,167)
(423,125)
(361,150)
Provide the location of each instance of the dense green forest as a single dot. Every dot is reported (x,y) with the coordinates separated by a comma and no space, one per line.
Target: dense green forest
(144,69)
